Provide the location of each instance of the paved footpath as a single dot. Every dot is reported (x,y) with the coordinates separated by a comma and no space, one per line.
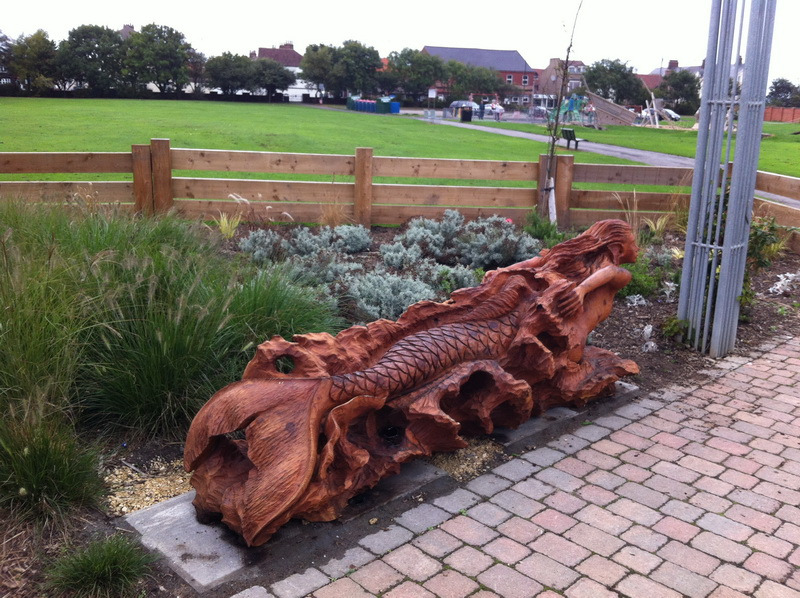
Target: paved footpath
(688,492)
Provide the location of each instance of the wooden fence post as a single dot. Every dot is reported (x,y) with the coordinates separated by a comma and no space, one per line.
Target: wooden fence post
(565,172)
(162,175)
(142,180)
(541,198)
(362,207)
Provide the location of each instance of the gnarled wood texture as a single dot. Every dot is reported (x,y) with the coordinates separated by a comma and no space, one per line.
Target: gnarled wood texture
(357,405)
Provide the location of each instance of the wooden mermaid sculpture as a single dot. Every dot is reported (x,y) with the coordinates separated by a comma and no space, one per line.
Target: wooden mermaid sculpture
(355,406)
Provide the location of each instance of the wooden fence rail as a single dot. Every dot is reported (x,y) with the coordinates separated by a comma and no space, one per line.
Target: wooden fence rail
(354,187)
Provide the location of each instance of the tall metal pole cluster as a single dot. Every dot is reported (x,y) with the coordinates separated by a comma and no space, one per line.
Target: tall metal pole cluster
(722,200)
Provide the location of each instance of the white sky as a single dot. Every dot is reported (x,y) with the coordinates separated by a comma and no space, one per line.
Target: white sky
(646,38)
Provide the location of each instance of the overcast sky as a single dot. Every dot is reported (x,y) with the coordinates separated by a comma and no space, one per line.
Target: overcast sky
(645,35)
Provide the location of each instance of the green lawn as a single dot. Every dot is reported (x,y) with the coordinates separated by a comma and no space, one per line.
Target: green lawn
(780,151)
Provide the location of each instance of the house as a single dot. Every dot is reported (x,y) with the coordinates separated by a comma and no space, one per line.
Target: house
(552,76)
(289,58)
(509,64)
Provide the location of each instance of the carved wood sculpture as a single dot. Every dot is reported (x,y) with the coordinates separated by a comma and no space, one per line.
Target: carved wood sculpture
(357,405)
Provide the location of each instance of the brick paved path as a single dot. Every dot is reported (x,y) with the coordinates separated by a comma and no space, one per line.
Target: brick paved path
(689,492)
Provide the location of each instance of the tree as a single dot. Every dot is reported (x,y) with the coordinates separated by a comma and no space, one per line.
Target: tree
(355,69)
(5,54)
(197,70)
(464,79)
(317,64)
(416,71)
(680,89)
(271,76)
(32,60)
(158,54)
(92,55)
(783,92)
(230,72)
(615,81)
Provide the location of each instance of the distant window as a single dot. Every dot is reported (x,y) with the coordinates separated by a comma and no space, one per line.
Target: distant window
(574,85)
(535,76)
(515,100)
(525,99)
(524,79)
(509,78)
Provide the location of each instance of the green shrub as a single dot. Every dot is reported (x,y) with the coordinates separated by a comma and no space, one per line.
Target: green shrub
(105,568)
(645,281)
(541,228)
(45,470)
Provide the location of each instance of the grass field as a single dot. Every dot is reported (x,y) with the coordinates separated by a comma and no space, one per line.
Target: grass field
(780,151)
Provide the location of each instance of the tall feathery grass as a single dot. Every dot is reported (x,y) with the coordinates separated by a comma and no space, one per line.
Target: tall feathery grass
(110,322)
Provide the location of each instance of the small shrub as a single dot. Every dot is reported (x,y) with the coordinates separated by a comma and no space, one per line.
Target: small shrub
(494,242)
(351,238)
(541,228)
(644,282)
(105,568)
(264,245)
(379,294)
(345,238)
(400,257)
(45,471)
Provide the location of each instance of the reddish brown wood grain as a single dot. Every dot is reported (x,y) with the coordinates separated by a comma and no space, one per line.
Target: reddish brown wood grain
(276,446)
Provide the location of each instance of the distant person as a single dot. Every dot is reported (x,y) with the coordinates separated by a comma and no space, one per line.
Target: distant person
(496,111)
(481,110)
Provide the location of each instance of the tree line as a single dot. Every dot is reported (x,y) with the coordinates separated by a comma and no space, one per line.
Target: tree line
(99,62)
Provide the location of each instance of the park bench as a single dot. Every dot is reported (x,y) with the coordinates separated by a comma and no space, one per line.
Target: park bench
(569,135)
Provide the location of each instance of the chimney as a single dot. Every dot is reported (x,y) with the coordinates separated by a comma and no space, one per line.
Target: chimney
(673,64)
(287,46)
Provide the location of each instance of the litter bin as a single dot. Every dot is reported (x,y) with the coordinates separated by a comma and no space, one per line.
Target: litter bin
(466,114)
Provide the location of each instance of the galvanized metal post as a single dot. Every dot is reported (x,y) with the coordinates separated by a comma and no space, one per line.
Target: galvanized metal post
(722,202)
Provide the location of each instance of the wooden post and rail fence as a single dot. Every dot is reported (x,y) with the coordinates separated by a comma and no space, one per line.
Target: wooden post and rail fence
(362,188)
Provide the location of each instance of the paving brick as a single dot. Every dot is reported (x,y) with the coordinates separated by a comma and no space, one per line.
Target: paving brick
(642,494)
(710,502)
(544,457)
(450,584)
(534,489)
(409,589)
(770,544)
(412,562)
(597,459)
(636,585)
(300,584)
(509,583)
(566,503)
(682,510)
(547,572)
(560,549)
(605,479)
(385,540)
(350,561)
(422,517)
(789,513)
(633,411)
(727,528)
(469,561)
(713,486)
(559,479)
(736,578)
(457,500)
(602,570)
(554,521)
(437,543)
(468,530)
(644,538)
(706,452)
(684,581)
(635,512)
(754,500)
(587,588)
(253,592)
(613,422)
(569,444)
(342,588)
(636,559)
(603,520)
(517,503)
(488,514)
(630,440)
(720,547)
(770,589)
(596,495)
(520,529)
(789,532)
(594,539)
(376,577)
(738,479)
(702,466)
(779,477)
(670,487)
(506,550)
(488,485)
(755,519)
(609,447)
(632,473)
(676,529)
(688,557)
(768,566)
(664,453)
(515,470)
(574,466)
(675,472)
